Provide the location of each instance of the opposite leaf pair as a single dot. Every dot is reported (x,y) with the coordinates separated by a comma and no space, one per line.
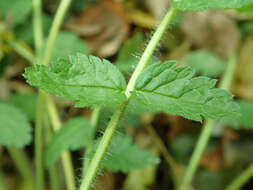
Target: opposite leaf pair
(93,82)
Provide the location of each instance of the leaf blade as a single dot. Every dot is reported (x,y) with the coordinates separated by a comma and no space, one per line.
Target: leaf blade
(15,129)
(201,5)
(163,87)
(87,80)
(73,135)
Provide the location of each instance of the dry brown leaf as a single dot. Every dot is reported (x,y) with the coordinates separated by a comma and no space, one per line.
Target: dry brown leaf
(104,26)
(243,83)
(211,30)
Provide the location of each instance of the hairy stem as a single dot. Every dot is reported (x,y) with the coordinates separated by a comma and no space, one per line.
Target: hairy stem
(94,121)
(65,156)
(241,179)
(111,128)
(207,129)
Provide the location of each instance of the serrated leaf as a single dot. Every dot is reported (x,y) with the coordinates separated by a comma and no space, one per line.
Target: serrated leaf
(15,10)
(126,60)
(26,103)
(123,155)
(67,43)
(88,80)
(205,63)
(15,129)
(246,119)
(73,135)
(201,5)
(163,87)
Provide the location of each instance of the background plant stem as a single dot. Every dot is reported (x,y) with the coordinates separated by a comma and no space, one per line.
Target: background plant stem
(241,179)
(22,51)
(111,128)
(61,11)
(207,129)
(175,167)
(3,185)
(94,121)
(65,156)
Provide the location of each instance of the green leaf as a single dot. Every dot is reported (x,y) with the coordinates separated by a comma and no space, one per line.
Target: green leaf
(26,103)
(126,60)
(67,43)
(205,63)
(15,10)
(246,119)
(23,32)
(201,5)
(73,135)
(86,79)
(15,129)
(123,155)
(163,87)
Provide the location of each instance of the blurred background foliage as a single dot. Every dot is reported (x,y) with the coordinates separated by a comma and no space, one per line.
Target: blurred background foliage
(119,31)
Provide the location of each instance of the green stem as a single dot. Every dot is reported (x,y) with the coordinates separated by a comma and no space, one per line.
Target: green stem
(196,156)
(22,51)
(94,121)
(110,130)
(61,11)
(22,165)
(38,146)
(3,185)
(37,25)
(207,129)
(65,156)
(175,168)
(53,173)
(241,179)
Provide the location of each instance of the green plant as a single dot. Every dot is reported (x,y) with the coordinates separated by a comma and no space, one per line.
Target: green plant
(90,82)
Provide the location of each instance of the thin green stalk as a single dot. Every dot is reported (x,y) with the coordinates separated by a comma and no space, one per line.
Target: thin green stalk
(3,185)
(65,156)
(37,25)
(241,179)
(94,121)
(53,173)
(111,128)
(175,168)
(38,145)
(22,51)
(61,11)
(207,129)
(22,165)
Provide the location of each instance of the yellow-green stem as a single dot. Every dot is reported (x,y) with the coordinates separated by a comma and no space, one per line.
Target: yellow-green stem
(112,126)
(61,11)
(207,129)
(241,179)
(3,185)
(65,156)
(38,145)
(94,121)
